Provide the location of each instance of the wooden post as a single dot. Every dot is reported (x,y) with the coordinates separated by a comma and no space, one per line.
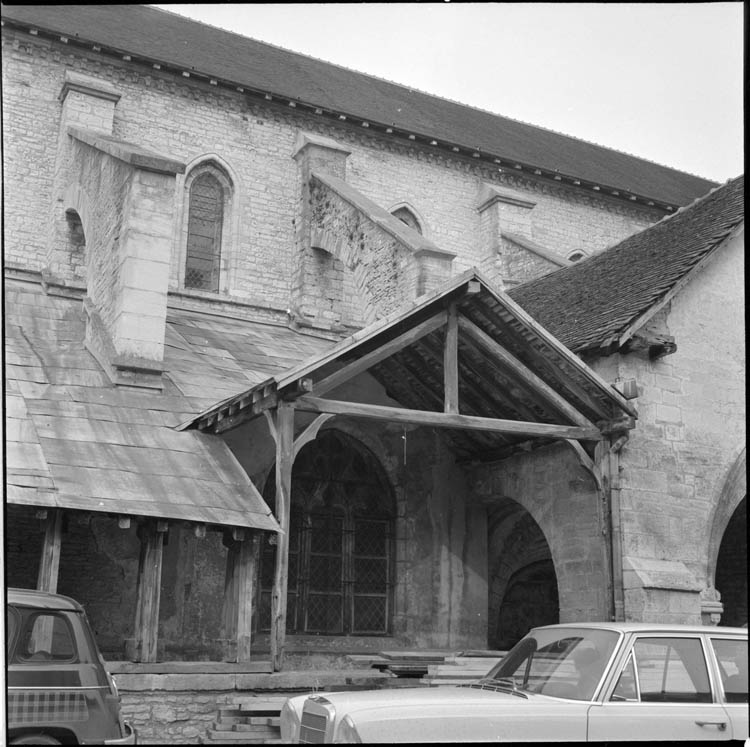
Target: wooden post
(149,590)
(450,361)
(49,565)
(229,613)
(246,567)
(284,459)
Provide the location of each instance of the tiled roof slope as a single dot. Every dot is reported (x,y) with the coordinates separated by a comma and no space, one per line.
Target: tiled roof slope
(589,303)
(73,440)
(157,35)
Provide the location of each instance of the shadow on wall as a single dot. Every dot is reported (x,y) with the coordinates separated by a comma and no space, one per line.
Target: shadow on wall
(731,568)
(522,578)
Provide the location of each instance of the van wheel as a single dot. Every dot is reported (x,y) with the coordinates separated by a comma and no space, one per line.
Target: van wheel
(35,739)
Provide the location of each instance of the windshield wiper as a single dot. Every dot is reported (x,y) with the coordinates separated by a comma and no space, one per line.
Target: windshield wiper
(499,684)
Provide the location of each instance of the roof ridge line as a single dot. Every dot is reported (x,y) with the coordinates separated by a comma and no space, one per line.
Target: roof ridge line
(683,208)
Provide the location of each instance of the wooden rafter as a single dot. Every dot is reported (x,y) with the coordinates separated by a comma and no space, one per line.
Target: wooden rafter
(511,362)
(444,420)
(385,351)
(477,391)
(450,362)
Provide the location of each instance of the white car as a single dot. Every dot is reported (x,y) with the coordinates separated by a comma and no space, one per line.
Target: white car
(577,682)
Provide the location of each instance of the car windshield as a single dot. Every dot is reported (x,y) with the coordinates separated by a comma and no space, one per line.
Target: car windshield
(560,662)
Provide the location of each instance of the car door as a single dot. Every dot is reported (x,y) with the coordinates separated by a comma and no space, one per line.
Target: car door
(662,691)
(732,665)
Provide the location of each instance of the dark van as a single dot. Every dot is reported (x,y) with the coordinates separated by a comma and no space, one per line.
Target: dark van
(59,690)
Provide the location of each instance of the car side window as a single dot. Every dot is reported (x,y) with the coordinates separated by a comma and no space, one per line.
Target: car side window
(11,623)
(46,637)
(671,670)
(731,655)
(626,688)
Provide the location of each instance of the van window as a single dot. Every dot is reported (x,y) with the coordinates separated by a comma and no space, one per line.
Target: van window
(11,624)
(46,637)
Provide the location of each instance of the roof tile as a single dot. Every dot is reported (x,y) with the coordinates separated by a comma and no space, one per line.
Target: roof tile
(595,300)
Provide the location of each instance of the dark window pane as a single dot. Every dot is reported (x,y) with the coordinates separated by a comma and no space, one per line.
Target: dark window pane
(205,214)
(369,615)
(325,573)
(370,576)
(370,538)
(324,613)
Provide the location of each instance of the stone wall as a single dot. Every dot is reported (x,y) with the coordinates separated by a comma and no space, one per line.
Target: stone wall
(691,427)
(561,497)
(191,121)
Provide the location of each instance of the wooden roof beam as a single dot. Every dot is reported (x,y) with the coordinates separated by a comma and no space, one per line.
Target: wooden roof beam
(450,362)
(510,361)
(445,420)
(360,365)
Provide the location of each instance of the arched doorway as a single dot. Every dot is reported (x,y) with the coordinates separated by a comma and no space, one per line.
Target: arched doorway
(341,538)
(522,581)
(731,568)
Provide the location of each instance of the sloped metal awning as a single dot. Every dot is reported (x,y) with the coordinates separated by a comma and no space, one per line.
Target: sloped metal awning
(74,441)
(466,358)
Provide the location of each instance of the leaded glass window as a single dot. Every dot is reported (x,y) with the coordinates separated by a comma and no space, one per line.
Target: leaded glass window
(340,544)
(205,218)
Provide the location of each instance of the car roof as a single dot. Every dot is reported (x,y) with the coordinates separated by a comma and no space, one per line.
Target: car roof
(42,600)
(639,627)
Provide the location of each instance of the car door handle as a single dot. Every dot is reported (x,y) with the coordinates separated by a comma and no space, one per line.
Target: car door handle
(721,724)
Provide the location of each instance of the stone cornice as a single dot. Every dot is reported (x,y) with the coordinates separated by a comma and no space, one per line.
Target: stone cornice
(129,153)
(491,195)
(89,85)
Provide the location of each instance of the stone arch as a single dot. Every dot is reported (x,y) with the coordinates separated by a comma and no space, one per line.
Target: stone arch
(221,170)
(77,212)
(407,214)
(727,547)
(522,579)
(732,493)
(731,568)
(563,499)
(342,541)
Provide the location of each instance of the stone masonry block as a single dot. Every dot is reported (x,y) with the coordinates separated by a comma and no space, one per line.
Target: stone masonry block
(669,414)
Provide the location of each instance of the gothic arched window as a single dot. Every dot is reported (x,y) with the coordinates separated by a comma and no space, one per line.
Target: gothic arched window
(340,542)
(204,230)
(406,216)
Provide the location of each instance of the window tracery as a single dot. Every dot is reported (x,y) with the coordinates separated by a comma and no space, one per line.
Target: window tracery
(340,542)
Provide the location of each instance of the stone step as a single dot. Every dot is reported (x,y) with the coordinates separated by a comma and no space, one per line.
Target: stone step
(237,737)
(260,722)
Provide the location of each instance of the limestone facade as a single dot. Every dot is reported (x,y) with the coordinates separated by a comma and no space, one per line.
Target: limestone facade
(252,143)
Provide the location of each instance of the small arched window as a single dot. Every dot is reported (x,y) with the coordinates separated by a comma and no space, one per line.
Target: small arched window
(406,216)
(576,256)
(204,230)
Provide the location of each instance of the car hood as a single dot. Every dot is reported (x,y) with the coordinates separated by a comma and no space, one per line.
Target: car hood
(455,714)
